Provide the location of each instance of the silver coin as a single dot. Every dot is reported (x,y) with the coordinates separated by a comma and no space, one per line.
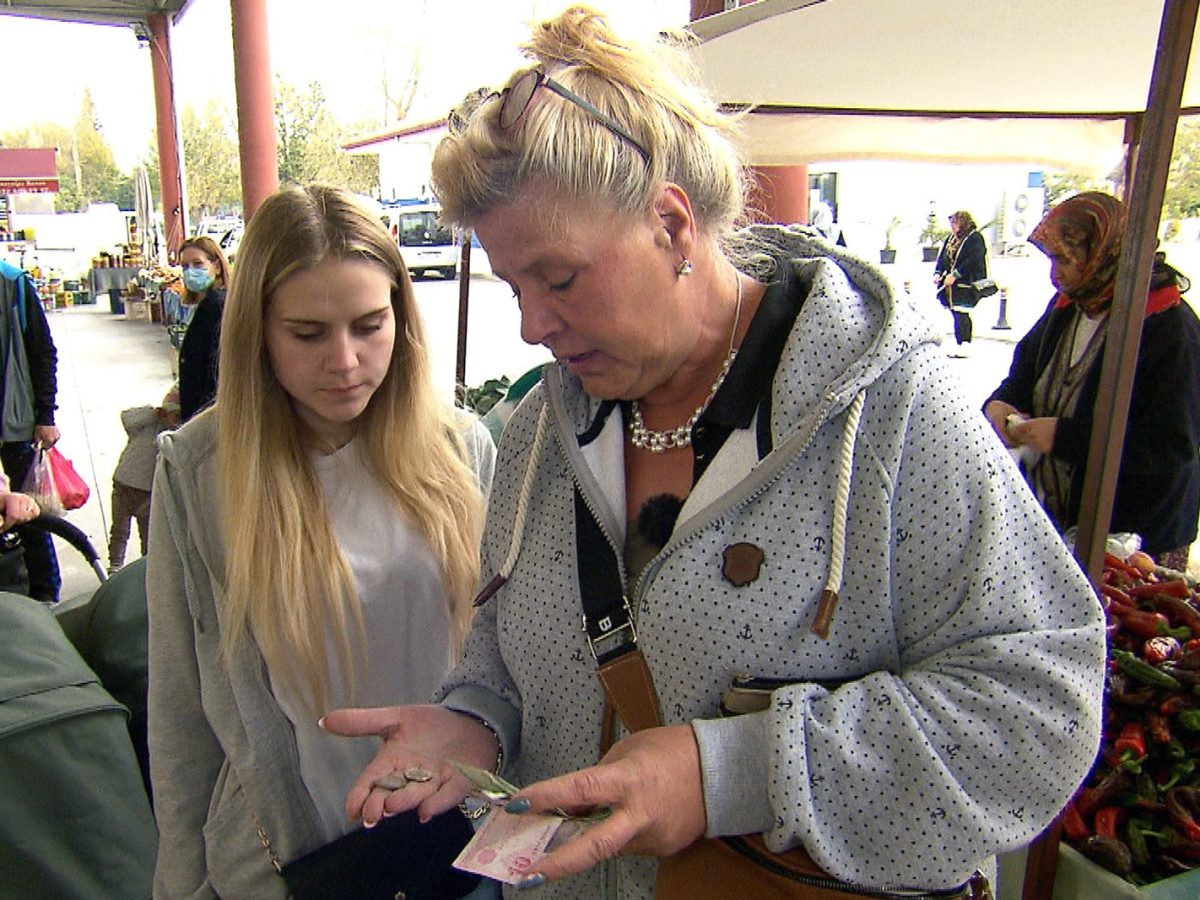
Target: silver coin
(417,774)
(393,782)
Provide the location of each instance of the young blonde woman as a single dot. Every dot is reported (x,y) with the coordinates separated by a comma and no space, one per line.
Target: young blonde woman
(205,279)
(317,544)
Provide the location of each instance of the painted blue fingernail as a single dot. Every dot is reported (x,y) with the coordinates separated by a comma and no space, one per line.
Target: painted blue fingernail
(516,807)
(532,881)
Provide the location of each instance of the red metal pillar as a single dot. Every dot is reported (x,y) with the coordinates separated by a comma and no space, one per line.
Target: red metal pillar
(170,170)
(780,194)
(777,193)
(255,103)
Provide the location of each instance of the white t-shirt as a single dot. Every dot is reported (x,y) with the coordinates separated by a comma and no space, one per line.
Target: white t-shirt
(407,628)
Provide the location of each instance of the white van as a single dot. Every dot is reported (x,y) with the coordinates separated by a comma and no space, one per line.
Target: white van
(425,243)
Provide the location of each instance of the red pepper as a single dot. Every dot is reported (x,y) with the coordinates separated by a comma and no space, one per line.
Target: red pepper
(1176,588)
(1072,822)
(1114,783)
(1140,622)
(1107,820)
(1174,704)
(1131,745)
(1158,727)
(1179,610)
(1115,562)
(1160,649)
(1183,804)
(1190,646)
(1115,593)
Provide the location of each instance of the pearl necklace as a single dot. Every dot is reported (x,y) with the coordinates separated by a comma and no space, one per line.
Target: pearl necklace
(661,441)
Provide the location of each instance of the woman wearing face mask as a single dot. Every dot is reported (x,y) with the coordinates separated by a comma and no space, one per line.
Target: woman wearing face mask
(205,276)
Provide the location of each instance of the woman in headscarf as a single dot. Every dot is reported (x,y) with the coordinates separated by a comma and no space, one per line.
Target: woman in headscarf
(1046,403)
(962,261)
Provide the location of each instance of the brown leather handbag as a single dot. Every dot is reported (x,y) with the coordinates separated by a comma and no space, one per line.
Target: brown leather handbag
(719,868)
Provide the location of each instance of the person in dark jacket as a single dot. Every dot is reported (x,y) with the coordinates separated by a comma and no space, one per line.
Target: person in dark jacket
(1046,402)
(962,261)
(205,278)
(29,412)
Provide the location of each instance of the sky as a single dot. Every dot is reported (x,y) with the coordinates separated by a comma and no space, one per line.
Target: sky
(346,45)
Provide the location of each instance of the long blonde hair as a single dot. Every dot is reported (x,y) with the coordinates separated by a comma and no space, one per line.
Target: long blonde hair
(651,91)
(287,583)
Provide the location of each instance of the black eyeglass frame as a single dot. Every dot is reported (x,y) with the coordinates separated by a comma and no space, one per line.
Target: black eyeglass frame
(508,119)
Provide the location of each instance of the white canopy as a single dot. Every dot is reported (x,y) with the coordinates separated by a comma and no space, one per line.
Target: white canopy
(936,80)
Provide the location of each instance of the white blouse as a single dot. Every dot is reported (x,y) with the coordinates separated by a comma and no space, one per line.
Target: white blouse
(407,628)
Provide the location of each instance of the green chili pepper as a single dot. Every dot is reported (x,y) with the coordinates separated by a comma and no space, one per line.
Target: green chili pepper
(1142,671)
(1176,750)
(1188,719)
(1178,772)
(1136,840)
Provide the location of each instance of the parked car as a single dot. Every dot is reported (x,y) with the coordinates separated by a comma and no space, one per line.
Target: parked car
(216,226)
(425,243)
(228,242)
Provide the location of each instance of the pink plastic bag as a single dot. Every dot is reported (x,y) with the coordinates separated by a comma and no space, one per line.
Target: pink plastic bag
(39,484)
(72,490)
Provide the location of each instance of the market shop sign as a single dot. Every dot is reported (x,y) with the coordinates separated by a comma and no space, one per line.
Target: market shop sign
(28,171)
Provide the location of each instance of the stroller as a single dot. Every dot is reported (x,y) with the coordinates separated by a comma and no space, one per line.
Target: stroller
(75,815)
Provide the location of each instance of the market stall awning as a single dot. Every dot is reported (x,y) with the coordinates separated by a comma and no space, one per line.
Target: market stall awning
(94,12)
(26,171)
(936,80)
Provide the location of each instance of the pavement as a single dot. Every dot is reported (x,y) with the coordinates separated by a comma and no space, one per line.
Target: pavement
(109,362)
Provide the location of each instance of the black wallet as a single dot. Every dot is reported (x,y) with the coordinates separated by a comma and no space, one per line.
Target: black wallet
(398,858)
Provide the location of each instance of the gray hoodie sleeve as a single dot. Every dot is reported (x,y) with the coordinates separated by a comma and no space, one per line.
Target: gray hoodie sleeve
(989,718)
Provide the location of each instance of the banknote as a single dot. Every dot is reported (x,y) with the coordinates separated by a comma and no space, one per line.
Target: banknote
(506,847)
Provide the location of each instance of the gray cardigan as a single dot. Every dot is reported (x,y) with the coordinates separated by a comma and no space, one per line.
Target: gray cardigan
(223,760)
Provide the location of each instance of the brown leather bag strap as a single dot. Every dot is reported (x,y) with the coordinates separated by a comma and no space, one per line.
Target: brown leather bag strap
(629,689)
(611,635)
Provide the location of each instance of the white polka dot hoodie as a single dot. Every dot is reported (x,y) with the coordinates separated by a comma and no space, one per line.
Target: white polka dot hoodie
(954,706)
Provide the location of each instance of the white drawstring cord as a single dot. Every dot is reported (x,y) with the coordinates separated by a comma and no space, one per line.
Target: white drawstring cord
(518,527)
(837,551)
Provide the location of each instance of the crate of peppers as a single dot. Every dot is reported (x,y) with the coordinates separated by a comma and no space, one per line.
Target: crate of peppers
(1138,813)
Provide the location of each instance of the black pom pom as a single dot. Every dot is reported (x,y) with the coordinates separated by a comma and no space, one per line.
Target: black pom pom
(656,518)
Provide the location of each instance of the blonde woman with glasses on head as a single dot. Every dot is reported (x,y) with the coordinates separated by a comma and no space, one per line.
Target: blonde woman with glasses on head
(748,461)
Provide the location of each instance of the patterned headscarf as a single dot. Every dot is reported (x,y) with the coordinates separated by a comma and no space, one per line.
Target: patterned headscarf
(1089,227)
(966,224)
(957,235)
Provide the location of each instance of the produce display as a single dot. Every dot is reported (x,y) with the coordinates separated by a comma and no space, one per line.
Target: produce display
(1138,813)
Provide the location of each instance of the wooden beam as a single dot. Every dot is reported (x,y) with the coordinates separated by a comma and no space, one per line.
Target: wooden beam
(1111,412)
(1133,282)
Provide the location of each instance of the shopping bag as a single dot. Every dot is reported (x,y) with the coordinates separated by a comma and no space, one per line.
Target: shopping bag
(73,491)
(39,484)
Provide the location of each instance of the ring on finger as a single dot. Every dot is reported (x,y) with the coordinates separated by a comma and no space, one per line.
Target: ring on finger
(418,774)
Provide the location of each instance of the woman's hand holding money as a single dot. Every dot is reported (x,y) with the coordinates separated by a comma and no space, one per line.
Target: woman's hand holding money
(411,769)
(650,780)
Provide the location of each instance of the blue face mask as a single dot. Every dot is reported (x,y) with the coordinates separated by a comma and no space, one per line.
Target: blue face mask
(197,280)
